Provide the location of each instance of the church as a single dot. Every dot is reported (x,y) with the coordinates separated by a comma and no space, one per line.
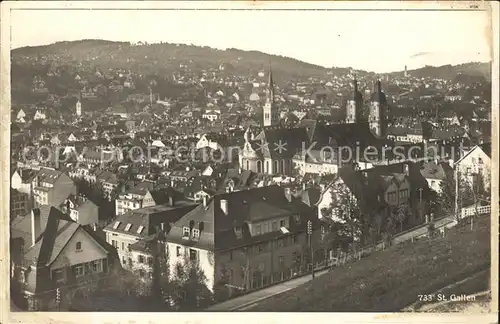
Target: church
(276,149)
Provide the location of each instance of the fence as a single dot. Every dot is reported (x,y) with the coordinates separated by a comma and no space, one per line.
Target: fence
(471,211)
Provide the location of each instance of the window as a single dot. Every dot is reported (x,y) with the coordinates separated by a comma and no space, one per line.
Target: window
(127,228)
(150,261)
(114,243)
(297,219)
(78,246)
(282,260)
(123,246)
(231,255)
(265,228)
(96,266)
(196,233)
(141,273)
(282,223)
(139,230)
(124,261)
(280,243)
(140,259)
(178,249)
(58,275)
(258,229)
(185,231)
(192,255)
(79,270)
(116,225)
(274,226)
(295,238)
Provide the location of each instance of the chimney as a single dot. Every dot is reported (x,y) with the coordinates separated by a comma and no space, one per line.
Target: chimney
(288,194)
(35,225)
(406,168)
(223,205)
(162,226)
(204,200)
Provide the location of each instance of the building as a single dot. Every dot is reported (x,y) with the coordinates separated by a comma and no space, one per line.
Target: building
(476,163)
(213,141)
(144,195)
(380,191)
(51,187)
(243,240)
(270,110)
(50,251)
(85,211)
(378,112)
(140,224)
(20,203)
(436,173)
(354,108)
(78,108)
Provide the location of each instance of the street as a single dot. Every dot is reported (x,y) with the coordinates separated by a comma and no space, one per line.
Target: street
(247,301)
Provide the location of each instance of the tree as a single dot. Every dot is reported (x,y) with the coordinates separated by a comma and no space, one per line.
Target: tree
(346,212)
(190,291)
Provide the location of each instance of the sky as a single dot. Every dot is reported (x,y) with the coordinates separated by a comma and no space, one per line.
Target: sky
(379,41)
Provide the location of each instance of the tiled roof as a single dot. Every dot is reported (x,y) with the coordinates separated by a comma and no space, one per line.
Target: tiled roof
(217,230)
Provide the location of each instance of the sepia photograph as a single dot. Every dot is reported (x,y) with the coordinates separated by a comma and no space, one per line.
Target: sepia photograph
(249,157)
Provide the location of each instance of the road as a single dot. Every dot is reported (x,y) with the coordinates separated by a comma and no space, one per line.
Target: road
(247,301)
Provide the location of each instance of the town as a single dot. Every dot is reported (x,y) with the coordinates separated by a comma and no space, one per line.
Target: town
(140,185)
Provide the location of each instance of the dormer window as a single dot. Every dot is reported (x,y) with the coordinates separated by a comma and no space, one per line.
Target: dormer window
(139,230)
(116,225)
(196,233)
(127,228)
(185,231)
(238,232)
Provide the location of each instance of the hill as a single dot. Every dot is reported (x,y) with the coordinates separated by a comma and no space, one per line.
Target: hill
(473,71)
(391,280)
(166,57)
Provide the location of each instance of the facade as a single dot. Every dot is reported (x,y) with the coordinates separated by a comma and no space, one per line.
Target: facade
(19,203)
(377,114)
(140,224)
(78,108)
(476,163)
(436,173)
(51,251)
(354,108)
(51,187)
(81,210)
(243,240)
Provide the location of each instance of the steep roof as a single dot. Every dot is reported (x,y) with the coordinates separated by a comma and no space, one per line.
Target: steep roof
(218,230)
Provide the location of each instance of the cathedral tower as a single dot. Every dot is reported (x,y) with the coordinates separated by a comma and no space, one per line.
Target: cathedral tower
(270,111)
(378,109)
(354,106)
(78,106)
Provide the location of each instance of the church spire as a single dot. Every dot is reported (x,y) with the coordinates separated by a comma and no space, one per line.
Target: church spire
(271,113)
(270,85)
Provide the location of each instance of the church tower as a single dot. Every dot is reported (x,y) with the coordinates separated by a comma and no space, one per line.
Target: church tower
(78,106)
(378,109)
(270,111)
(354,106)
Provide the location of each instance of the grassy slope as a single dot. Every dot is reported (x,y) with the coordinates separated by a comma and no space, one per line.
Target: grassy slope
(393,279)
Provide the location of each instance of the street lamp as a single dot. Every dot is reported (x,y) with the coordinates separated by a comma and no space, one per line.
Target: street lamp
(309,234)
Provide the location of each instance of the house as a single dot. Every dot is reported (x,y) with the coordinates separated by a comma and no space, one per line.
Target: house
(379,191)
(145,195)
(243,240)
(109,182)
(20,203)
(140,224)
(476,163)
(436,173)
(84,211)
(39,115)
(21,180)
(49,251)
(213,141)
(51,187)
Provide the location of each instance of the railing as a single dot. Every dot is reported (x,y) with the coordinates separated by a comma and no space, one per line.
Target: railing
(471,211)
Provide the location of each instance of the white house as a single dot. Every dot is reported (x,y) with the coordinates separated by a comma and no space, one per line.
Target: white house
(476,162)
(39,115)
(211,115)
